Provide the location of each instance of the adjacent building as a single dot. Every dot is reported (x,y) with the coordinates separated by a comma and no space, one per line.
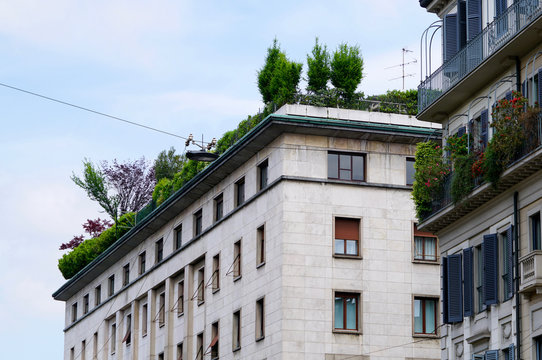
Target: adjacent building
(299,242)
(490,241)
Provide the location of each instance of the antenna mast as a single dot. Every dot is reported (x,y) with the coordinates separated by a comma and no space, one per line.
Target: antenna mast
(402,65)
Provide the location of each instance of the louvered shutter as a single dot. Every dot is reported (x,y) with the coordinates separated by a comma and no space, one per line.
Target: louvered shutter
(450,36)
(470,140)
(474,18)
(539,95)
(508,96)
(484,126)
(523,89)
(455,286)
(500,7)
(461,23)
(468,279)
(511,352)
(491,269)
(444,281)
(510,262)
(461,131)
(492,355)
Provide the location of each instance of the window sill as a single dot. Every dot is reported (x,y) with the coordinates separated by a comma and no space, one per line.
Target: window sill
(236,349)
(238,277)
(343,256)
(216,290)
(425,336)
(260,265)
(180,314)
(428,262)
(161,325)
(201,302)
(260,338)
(144,335)
(348,332)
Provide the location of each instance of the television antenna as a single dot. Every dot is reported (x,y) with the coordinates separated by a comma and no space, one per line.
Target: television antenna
(402,65)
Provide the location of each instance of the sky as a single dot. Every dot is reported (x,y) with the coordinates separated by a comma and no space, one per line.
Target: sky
(186,67)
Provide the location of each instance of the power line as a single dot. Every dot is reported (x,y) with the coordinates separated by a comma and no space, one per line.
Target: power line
(91,111)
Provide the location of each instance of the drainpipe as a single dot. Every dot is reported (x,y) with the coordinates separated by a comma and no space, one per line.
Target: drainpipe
(517,277)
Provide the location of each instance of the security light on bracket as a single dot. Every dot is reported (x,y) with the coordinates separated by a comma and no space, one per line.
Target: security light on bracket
(203,154)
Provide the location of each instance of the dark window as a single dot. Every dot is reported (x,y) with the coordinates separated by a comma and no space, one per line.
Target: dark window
(240,192)
(216,273)
(236,331)
(159,251)
(506,264)
(111,285)
(262,175)
(346,166)
(142,261)
(410,171)
(237,260)
(74,312)
(535,231)
(260,319)
(201,285)
(128,335)
(199,344)
(113,338)
(219,207)
(425,245)
(260,246)
(491,269)
(180,298)
(180,351)
(161,309)
(198,223)
(468,282)
(144,319)
(346,311)
(125,274)
(425,316)
(454,288)
(85,304)
(98,295)
(479,276)
(214,342)
(178,237)
(346,236)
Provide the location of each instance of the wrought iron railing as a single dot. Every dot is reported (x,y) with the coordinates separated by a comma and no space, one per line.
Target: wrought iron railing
(491,39)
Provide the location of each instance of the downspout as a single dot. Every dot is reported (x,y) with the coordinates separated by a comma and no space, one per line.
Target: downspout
(517,277)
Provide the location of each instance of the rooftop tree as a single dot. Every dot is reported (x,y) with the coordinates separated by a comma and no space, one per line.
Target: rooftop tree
(318,68)
(167,164)
(347,69)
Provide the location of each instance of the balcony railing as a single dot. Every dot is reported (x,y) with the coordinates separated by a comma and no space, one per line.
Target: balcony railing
(531,272)
(489,41)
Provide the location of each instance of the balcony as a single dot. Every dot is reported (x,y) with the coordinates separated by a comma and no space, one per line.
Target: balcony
(477,64)
(531,273)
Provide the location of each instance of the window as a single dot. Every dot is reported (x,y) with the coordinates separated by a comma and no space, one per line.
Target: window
(216,273)
(180,351)
(201,285)
(158,251)
(97,295)
(162,309)
(95,346)
(198,223)
(506,263)
(236,331)
(240,192)
(72,353)
(260,319)
(347,236)
(85,304)
(161,356)
(344,166)
(125,274)
(535,231)
(111,285)
(262,175)
(199,342)
(180,298)
(214,342)
(144,319)
(479,278)
(113,338)
(346,311)
(425,316)
(142,261)
(538,346)
(425,246)
(219,207)
(83,349)
(237,260)
(178,237)
(74,312)
(128,336)
(260,246)
(410,171)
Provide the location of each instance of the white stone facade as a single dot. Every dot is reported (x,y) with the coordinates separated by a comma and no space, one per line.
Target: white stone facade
(300,274)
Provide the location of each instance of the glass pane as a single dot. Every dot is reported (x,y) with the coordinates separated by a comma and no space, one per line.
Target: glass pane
(339,246)
(418,320)
(345,162)
(429,316)
(351,314)
(418,248)
(409,171)
(352,247)
(332,166)
(358,168)
(430,248)
(345,175)
(339,313)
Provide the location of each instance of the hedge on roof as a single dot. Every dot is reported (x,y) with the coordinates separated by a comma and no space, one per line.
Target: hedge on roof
(70,263)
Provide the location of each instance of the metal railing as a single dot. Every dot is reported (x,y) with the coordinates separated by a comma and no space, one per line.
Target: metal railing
(356,103)
(490,40)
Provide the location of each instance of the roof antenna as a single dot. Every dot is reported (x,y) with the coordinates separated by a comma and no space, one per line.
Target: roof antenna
(402,65)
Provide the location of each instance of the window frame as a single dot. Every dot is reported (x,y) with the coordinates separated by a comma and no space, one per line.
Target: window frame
(111,285)
(125,274)
(425,235)
(259,331)
(161,318)
(86,304)
(218,203)
(236,330)
(214,349)
(260,246)
(74,312)
(178,241)
(263,174)
(201,286)
(348,294)
(422,299)
(180,298)
(198,222)
(97,295)
(240,192)
(113,337)
(237,269)
(535,233)
(142,262)
(359,241)
(351,170)
(159,251)
(409,159)
(144,319)
(215,281)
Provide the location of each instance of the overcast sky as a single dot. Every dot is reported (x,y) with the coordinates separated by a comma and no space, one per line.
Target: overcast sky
(181,66)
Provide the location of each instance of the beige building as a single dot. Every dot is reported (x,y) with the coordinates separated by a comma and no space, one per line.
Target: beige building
(490,241)
(297,243)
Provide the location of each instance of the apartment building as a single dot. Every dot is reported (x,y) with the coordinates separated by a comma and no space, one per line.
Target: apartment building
(299,242)
(490,240)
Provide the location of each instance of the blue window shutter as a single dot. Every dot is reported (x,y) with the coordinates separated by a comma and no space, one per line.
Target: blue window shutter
(461,131)
(539,95)
(491,269)
(461,23)
(455,286)
(483,135)
(450,36)
(500,7)
(510,262)
(508,96)
(511,352)
(523,89)
(474,18)
(492,355)
(444,279)
(468,281)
